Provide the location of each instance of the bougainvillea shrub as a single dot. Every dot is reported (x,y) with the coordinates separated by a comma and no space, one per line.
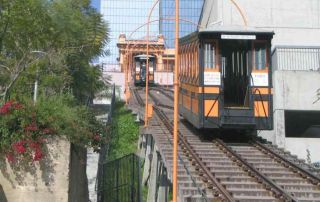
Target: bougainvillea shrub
(25,127)
(22,137)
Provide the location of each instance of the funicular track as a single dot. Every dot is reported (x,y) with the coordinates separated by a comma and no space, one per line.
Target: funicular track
(249,171)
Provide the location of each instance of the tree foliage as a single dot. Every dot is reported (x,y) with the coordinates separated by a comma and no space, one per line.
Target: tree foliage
(51,42)
(53,39)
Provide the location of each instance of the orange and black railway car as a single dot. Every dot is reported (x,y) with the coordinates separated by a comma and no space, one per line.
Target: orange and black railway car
(226,78)
(140,73)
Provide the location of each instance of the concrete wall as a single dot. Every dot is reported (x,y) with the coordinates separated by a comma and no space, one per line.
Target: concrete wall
(61,176)
(294,90)
(46,181)
(118,78)
(299,147)
(295,22)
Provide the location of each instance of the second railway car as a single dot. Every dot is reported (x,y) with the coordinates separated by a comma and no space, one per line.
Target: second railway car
(139,70)
(225,78)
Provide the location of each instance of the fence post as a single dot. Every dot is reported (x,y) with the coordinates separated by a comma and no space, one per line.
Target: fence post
(139,179)
(132,179)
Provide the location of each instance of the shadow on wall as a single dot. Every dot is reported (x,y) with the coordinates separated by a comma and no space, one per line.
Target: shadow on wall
(3,197)
(30,174)
(78,181)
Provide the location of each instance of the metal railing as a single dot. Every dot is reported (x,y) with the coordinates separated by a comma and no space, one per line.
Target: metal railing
(104,153)
(121,180)
(297,58)
(117,180)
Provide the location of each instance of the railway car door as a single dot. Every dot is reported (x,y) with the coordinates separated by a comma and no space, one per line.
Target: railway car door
(143,70)
(236,70)
(151,69)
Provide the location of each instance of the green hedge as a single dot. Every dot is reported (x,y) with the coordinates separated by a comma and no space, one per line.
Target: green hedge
(125,133)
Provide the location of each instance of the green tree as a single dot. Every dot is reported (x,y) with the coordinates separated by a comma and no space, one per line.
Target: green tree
(69,32)
(51,42)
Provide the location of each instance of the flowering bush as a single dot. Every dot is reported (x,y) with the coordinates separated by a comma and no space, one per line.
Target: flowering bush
(22,137)
(25,128)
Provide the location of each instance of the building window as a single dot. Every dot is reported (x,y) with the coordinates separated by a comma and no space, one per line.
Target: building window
(260,57)
(209,56)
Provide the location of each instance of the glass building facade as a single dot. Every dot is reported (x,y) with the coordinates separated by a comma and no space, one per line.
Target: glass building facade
(190,11)
(125,16)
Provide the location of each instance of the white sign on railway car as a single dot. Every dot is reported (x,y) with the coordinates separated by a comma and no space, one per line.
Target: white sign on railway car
(212,78)
(238,37)
(260,79)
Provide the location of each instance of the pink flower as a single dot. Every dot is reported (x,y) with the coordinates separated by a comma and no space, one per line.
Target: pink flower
(10,157)
(19,147)
(6,108)
(38,155)
(31,127)
(17,106)
(34,145)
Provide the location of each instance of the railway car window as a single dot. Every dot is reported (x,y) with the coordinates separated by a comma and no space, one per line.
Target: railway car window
(137,66)
(209,56)
(260,56)
(151,68)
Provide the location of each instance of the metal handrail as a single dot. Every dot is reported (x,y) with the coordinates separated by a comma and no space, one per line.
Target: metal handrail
(260,95)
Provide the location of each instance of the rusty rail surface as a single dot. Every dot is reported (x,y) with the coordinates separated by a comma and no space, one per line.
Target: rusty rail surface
(304,185)
(303,172)
(197,161)
(220,192)
(277,190)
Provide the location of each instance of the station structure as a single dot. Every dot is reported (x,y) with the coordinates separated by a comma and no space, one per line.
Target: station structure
(296,103)
(296,64)
(164,57)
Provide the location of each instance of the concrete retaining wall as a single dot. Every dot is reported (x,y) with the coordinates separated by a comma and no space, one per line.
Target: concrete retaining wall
(301,146)
(294,90)
(47,180)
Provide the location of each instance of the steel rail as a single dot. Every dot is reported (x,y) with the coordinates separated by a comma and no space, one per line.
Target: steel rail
(159,103)
(225,194)
(164,93)
(141,103)
(274,188)
(303,172)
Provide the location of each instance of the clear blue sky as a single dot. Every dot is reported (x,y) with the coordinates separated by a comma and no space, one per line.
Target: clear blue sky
(96,4)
